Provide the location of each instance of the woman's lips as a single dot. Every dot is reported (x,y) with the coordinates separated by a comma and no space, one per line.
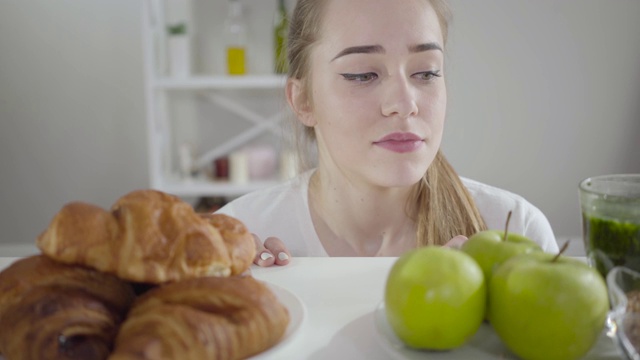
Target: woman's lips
(400,142)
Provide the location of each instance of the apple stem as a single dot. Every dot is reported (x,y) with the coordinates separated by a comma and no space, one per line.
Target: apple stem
(562,250)
(506,226)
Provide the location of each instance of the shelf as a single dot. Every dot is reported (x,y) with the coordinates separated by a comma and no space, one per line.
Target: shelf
(177,105)
(221,82)
(199,187)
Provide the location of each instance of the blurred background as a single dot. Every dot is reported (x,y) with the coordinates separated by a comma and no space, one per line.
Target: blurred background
(542,94)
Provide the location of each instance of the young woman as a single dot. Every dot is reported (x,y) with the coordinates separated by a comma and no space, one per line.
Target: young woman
(367,85)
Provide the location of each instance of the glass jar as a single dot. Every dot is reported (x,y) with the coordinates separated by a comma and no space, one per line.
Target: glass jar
(610,206)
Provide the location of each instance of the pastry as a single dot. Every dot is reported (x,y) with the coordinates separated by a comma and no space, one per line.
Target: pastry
(237,239)
(148,237)
(206,318)
(50,310)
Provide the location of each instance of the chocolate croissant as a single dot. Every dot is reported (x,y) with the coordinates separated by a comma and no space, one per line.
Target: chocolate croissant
(147,237)
(50,310)
(206,318)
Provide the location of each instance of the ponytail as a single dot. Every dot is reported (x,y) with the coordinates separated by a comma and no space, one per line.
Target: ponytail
(444,206)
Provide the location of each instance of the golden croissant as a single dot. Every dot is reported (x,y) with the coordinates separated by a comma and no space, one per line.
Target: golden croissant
(50,310)
(237,239)
(206,318)
(149,237)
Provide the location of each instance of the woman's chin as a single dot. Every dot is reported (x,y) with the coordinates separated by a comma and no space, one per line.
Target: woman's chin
(404,171)
(398,178)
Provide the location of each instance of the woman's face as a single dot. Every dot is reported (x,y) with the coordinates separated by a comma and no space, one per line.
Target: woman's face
(378,92)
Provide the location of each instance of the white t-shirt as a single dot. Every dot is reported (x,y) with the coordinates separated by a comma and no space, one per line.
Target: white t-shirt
(283,211)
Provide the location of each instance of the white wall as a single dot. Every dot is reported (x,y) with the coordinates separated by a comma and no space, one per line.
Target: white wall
(72,120)
(542,94)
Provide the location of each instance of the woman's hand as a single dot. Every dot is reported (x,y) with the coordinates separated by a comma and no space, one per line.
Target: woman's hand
(271,252)
(456,242)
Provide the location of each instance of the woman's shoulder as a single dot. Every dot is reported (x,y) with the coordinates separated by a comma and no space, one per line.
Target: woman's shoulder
(283,193)
(483,191)
(281,211)
(494,204)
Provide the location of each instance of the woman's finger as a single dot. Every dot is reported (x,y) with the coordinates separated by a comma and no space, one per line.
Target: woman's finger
(263,256)
(456,242)
(277,248)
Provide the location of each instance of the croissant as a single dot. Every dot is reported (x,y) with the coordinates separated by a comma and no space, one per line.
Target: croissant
(237,239)
(147,237)
(206,318)
(50,310)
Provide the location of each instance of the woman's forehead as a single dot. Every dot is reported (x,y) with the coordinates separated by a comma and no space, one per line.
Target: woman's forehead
(388,23)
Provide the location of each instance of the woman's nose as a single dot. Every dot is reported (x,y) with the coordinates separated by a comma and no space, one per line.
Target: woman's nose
(399,98)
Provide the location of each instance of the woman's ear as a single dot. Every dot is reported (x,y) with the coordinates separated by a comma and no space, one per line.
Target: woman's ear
(299,101)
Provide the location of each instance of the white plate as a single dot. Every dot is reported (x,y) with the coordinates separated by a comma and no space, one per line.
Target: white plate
(485,344)
(297,314)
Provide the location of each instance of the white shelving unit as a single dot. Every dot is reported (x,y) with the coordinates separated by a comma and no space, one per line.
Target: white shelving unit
(267,82)
(222,92)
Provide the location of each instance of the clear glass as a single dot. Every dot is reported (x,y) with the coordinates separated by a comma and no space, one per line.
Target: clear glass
(624,318)
(610,207)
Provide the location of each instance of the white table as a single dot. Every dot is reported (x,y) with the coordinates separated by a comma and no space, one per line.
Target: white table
(340,296)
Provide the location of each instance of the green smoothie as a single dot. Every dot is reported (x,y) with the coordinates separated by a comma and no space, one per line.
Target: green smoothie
(611,221)
(610,242)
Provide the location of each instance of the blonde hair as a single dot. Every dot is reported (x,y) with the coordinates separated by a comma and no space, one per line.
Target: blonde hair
(443,207)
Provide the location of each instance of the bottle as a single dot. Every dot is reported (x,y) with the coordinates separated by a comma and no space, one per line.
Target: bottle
(179,47)
(236,38)
(281,30)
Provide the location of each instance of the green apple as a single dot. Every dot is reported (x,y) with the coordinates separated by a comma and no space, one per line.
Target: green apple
(435,298)
(546,306)
(490,248)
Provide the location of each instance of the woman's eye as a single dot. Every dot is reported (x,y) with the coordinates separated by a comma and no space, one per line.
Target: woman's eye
(429,75)
(360,77)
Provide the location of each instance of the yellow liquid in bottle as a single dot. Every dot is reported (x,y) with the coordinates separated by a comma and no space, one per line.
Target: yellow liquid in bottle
(236,61)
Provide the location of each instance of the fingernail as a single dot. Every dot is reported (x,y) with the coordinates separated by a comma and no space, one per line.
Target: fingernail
(283,256)
(265,256)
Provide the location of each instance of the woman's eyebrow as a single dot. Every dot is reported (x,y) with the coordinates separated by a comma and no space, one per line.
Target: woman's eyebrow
(425,47)
(366,49)
(377,49)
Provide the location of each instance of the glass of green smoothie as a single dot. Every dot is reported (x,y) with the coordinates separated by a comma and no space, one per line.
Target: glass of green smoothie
(611,221)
